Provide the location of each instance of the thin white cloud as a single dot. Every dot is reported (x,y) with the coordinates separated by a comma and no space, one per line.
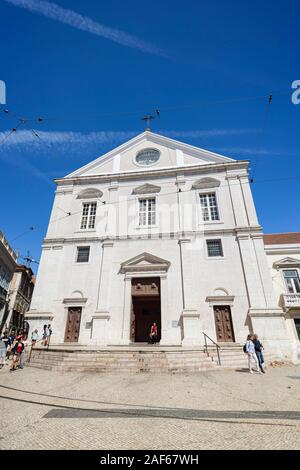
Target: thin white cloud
(73,143)
(248,151)
(210,133)
(56,141)
(71,18)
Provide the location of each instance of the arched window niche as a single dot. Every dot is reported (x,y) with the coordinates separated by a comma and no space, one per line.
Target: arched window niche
(90,193)
(206,183)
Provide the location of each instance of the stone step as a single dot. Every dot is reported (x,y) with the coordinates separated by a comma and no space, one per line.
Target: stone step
(120,366)
(137,361)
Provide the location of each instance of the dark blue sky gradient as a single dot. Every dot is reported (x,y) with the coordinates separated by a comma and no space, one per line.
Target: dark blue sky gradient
(218,52)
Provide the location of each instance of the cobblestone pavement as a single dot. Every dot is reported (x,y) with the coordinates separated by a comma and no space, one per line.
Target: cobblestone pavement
(208,410)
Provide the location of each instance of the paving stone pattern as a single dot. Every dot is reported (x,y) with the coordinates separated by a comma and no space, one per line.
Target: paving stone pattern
(224,409)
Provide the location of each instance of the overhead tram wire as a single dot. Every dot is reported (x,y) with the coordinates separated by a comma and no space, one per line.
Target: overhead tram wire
(168,108)
(13,130)
(194,105)
(261,135)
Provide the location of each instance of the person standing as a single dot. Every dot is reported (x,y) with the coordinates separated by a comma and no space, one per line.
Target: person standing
(153,334)
(34,337)
(10,343)
(250,351)
(49,333)
(17,350)
(45,335)
(2,350)
(259,354)
(23,353)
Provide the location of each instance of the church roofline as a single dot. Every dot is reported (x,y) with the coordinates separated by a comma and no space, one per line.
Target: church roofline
(160,139)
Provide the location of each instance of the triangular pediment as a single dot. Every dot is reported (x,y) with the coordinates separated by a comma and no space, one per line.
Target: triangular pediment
(145,262)
(146,189)
(172,153)
(287,263)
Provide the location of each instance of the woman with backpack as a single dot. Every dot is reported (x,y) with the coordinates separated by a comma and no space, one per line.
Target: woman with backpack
(249,349)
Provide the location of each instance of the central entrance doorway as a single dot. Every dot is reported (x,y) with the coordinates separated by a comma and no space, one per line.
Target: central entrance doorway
(146,308)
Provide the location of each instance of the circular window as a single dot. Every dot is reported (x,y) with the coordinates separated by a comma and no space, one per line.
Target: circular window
(147,157)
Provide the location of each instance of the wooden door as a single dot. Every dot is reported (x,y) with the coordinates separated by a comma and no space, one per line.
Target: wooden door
(223,322)
(73,325)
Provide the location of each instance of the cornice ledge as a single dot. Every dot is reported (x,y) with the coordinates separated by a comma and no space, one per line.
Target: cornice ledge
(39,315)
(220,298)
(200,168)
(101,315)
(257,236)
(55,241)
(265,312)
(187,313)
(75,300)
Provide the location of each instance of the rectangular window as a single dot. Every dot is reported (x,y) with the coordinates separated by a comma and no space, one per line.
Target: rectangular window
(88,215)
(83,254)
(214,248)
(292,281)
(147,211)
(209,207)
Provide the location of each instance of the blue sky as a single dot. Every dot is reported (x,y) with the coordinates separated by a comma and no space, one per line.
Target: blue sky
(209,67)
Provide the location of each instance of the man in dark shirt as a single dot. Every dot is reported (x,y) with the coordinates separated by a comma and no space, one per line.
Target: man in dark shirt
(258,351)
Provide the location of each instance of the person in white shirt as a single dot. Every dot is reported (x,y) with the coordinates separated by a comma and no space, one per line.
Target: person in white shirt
(23,353)
(250,351)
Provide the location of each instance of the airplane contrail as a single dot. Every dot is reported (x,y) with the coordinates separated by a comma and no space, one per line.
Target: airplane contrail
(78,21)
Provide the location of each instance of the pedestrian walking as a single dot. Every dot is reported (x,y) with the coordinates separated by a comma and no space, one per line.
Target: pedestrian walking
(17,350)
(10,342)
(2,350)
(259,353)
(249,349)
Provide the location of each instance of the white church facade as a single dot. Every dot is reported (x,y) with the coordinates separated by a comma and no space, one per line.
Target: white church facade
(156,231)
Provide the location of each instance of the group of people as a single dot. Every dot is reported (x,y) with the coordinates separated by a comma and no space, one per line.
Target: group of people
(46,335)
(254,350)
(13,346)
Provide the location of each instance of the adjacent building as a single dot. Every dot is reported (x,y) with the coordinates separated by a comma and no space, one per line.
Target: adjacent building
(156,231)
(20,293)
(283,253)
(8,263)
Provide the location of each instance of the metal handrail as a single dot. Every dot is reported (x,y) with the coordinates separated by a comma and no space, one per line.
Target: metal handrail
(206,347)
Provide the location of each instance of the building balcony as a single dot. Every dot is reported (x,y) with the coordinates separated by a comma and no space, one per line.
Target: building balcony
(289,301)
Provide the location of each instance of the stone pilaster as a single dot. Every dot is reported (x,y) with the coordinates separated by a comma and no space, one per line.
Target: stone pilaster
(126,316)
(192,334)
(240,214)
(102,314)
